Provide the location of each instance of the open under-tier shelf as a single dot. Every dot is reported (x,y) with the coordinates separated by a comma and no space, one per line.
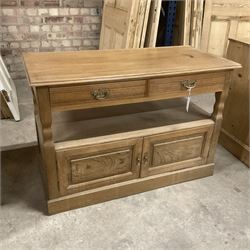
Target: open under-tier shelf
(130,119)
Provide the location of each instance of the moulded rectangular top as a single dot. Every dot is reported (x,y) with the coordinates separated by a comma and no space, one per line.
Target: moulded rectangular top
(60,68)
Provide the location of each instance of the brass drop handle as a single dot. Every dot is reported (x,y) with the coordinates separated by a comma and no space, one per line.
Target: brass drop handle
(189,84)
(138,161)
(100,94)
(145,158)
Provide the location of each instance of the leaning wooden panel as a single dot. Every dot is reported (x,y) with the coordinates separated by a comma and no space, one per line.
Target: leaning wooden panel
(145,24)
(187,22)
(153,23)
(196,23)
(235,127)
(139,23)
(224,19)
(117,24)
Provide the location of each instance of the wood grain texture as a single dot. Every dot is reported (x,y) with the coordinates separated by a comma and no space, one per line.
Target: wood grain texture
(61,68)
(196,23)
(139,23)
(83,94)
(44,122)
(86,160)
(153,23)
(206,26)
(117,26)
(224,19)
(124,24)
(235,127)
(127,135)
(80,96)
(176,150)
(145,23)
(180,149)
(235,146)
(143,120)
(187,22)
(124,189)
(99,164)
(212,82)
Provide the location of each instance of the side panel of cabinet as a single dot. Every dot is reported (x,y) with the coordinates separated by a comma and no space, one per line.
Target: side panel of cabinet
(87,167)
(175,150)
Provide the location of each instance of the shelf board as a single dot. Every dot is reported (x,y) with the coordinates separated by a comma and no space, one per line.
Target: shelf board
(100,124)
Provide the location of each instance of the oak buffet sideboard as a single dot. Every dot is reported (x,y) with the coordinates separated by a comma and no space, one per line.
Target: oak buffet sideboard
(113,123)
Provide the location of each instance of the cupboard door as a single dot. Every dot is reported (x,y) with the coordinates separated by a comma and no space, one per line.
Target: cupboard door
(92,166)
(175,150)
(117,24)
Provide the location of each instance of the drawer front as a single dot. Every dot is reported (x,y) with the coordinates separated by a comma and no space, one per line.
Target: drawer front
(177,86)
(95,95)
(88,167)
(175,150)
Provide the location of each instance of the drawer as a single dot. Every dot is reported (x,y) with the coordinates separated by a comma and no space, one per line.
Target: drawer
(92,166)
(176,150)
(174,86)
(94,95)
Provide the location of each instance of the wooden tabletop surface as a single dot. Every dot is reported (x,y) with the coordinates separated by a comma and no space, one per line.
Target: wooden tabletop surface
(53,68)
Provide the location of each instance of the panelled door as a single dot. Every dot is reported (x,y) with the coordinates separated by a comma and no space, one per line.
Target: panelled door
(117,24)
(96,165)
(175,150)
(124,24)
(224,19)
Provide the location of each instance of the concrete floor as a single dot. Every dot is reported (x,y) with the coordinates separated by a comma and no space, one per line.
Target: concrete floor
(23,133)
(209,213)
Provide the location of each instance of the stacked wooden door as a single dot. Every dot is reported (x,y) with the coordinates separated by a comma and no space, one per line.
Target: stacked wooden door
(153,23)
(124,24)
(224,19)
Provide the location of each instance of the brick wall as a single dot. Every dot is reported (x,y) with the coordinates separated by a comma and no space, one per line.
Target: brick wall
(46,25)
